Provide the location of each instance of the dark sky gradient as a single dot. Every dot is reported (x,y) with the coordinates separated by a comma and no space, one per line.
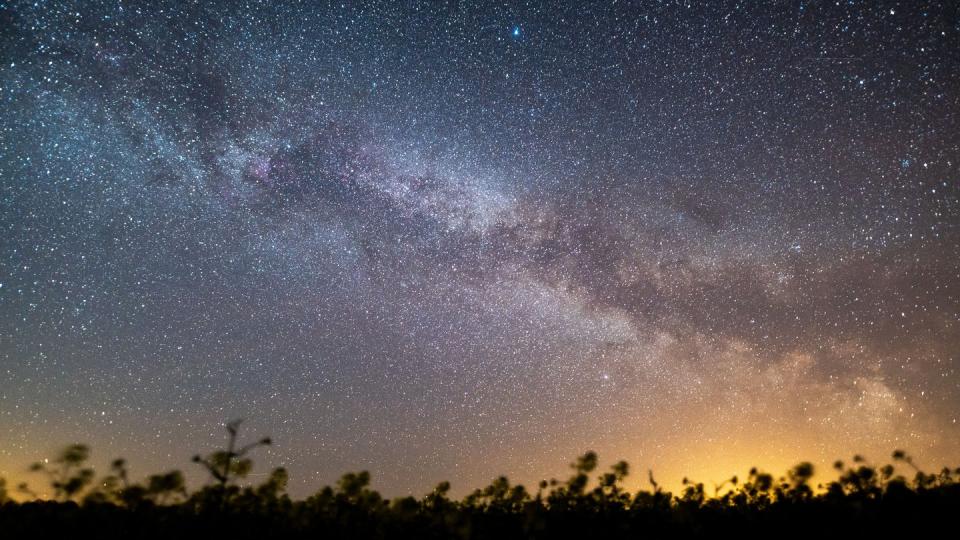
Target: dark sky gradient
(453,240)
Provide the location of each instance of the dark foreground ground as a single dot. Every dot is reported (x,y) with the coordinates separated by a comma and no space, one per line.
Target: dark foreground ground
(907,515)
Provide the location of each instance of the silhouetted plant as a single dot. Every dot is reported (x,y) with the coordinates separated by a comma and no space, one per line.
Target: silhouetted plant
(656,487)
(900,455)
(584,465)
(800,476)
(275,484)
(437,499)
(24,489)
(731,482)
(114,488)
(67,475)
(499,495)
(693,493)
(166,488)
(863,501)
(226,466)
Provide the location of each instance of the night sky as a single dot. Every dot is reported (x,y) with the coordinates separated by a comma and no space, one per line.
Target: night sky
(456,240)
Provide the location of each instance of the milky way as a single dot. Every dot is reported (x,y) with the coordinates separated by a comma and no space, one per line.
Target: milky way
(454,240)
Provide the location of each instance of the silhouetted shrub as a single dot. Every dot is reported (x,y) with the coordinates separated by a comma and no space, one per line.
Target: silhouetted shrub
(864,500)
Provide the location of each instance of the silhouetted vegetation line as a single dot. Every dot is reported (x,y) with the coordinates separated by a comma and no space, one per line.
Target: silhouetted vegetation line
(864,499)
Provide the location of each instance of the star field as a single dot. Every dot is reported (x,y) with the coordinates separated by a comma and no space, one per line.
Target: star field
(445,240)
